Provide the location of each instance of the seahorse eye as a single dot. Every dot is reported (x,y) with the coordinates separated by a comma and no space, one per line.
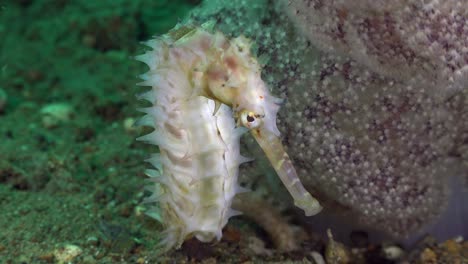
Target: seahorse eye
(250,119)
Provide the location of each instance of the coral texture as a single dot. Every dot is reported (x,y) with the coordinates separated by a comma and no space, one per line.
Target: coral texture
(420,42)
(411,57)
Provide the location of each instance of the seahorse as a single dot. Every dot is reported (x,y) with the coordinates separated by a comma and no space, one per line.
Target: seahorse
(206,92)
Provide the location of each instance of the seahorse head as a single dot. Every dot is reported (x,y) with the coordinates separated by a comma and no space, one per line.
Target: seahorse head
(234,79)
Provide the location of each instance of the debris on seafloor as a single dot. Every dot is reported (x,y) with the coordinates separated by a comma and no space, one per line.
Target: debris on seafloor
(336,252)
(66,253)
(55,114)
(283,235)
(393,252)
(454,250)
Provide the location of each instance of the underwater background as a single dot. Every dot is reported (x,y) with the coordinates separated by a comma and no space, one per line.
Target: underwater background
(71,172)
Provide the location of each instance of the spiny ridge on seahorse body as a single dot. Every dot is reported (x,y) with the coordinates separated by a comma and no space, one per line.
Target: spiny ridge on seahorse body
(206,90)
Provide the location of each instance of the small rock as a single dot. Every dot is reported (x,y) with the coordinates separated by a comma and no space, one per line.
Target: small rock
(317,257)
(139,211)
(428,256)
(89,260)
(48,257)
(141,260)
(196,250)
(210,261)
(67,253)
(54,114)
(393,252)
(258,246)
(23,259)
(452,247)
(126,211)
(129,125)
(92,241)
(33,76)
(231,234)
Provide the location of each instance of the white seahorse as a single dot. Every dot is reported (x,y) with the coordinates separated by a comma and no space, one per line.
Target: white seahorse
(206,90)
